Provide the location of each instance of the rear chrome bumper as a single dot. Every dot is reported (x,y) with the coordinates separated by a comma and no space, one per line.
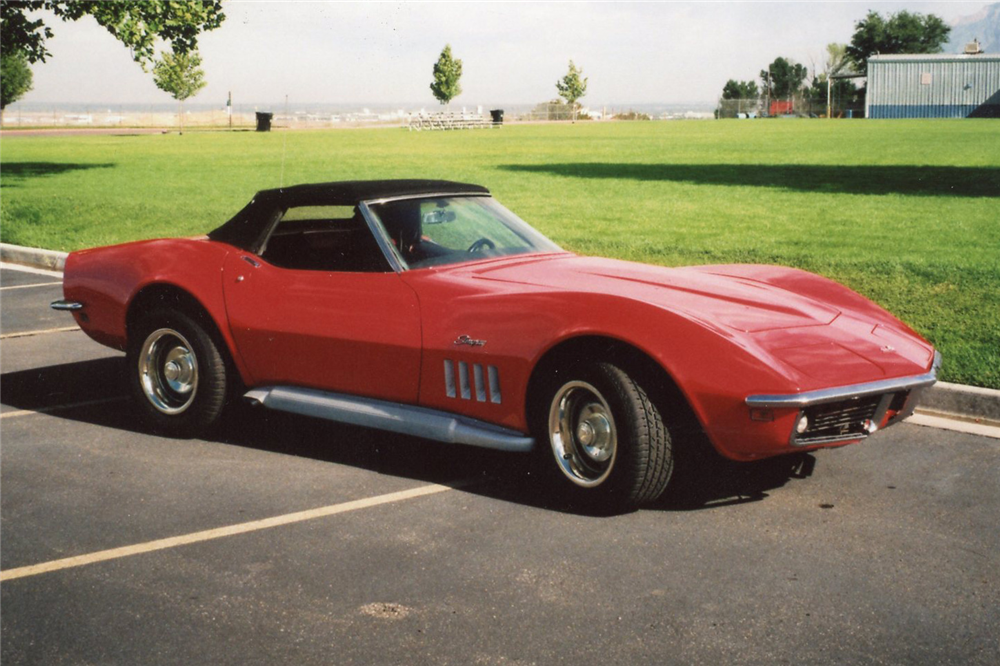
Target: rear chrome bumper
(66,305)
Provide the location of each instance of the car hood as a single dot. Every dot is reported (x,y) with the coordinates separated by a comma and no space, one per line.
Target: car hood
(735,302)
(778,312)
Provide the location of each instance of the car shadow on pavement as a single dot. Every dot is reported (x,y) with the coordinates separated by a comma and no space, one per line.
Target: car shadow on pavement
(706,480)
(703,481)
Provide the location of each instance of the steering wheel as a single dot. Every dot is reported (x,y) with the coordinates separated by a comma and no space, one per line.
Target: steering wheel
(482,243)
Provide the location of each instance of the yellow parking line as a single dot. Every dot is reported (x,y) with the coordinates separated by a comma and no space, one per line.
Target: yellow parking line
(219,532)
(56,408)
(28,286)
(24,334)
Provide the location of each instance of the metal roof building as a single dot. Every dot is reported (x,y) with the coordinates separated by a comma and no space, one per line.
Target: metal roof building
(933,86)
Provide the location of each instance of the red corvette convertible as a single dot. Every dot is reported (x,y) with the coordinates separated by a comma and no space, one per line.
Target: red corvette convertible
(427,308)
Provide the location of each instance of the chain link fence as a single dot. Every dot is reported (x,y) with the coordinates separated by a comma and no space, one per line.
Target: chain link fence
(242,117)
(804,106)
(165,116)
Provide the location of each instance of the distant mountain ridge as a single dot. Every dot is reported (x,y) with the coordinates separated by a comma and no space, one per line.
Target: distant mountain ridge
(984,25)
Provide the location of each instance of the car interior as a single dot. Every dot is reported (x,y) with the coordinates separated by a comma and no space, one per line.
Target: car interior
(324,238)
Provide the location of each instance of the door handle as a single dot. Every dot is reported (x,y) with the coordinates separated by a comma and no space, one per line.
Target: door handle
(250,261)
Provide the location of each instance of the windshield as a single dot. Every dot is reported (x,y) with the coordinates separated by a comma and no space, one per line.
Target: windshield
(453,230)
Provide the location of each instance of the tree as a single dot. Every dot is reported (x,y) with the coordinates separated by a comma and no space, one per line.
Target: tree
(447,72)
(180,75)
(15,79)
(572,87)
(836,59)
(901,32)
(825,89)
(783,78)
(740,90)
(135,23)
(841,90)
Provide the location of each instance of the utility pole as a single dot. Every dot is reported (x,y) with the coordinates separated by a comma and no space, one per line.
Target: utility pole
(768,88)
(829,78)
(229,110)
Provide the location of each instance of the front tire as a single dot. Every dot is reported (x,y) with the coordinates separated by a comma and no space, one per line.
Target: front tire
(601,440)
(177,374)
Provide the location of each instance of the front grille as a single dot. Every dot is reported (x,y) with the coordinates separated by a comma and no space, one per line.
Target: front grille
(840,420)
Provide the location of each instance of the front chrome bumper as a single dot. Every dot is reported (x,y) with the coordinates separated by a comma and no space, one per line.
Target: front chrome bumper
(849,413)
(821,396)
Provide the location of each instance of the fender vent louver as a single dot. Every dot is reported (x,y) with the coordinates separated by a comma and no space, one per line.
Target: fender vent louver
(484,385)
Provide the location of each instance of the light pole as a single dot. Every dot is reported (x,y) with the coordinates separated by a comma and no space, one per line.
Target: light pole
(829,101)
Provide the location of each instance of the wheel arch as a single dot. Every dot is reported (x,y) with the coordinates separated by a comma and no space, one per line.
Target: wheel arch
(642,367)
(165,294)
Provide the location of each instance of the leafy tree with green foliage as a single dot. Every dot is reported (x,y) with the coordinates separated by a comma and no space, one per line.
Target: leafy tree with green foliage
(901,32)
(180,75)
(571,87)
(135,23)
(447,72)
(836,59)
(840,89)
(740,90)
(843,90)
(783,78)
(15,79)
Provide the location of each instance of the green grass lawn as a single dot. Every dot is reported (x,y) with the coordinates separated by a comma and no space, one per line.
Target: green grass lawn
(905,212)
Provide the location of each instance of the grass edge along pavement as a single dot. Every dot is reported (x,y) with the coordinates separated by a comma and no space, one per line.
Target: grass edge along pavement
(943,398)
(904,212)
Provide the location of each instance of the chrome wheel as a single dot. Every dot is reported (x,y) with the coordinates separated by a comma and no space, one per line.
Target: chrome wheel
(582,433)
(168,371)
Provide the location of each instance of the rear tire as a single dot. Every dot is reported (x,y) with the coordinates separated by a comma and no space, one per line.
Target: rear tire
(177,374)
(601,440)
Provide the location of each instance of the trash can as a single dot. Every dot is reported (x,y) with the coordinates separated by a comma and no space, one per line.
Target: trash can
(497,115)
(264,121)
(850,113)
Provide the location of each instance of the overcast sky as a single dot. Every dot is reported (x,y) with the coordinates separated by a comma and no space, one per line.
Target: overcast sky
(512,53)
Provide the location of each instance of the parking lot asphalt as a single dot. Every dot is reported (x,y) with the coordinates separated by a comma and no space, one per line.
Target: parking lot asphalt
(883,552)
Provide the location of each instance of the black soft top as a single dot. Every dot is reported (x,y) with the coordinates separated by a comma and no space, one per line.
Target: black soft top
(247,228)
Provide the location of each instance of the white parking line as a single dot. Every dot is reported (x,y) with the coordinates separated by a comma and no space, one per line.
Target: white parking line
(25,334)
(29,286)
(29,269)
(57,408)
(954,424)
(230,530)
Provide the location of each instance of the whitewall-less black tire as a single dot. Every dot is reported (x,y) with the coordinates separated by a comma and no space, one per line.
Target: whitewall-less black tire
(601,440)
(177,373)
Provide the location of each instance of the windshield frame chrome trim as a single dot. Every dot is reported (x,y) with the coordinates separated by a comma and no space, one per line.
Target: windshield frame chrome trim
(431,195)
(378,231)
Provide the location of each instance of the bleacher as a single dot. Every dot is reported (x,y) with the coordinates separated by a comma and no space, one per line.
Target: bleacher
(449,121)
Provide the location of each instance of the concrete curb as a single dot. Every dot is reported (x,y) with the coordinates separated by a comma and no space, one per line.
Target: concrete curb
(30,256)
(970,402)
(962,400)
